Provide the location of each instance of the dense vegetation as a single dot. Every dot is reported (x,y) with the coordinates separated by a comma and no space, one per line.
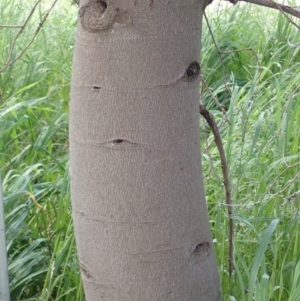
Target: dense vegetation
(260,66)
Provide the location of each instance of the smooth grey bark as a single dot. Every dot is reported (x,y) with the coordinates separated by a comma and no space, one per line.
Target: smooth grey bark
(140,217)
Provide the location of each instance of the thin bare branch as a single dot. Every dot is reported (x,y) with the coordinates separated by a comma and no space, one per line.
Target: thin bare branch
(220,106)
(9,61)
(214,128)
(272,4)
(219,52)
(270,187)
(7,64)
(293,195)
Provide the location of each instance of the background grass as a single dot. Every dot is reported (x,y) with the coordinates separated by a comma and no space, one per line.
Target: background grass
(262,100)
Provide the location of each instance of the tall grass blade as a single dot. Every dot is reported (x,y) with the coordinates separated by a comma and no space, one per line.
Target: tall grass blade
(295,290)
(258,258)
(4,281)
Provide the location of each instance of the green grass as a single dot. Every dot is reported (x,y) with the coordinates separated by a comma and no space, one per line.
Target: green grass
(261,142)
(262,147)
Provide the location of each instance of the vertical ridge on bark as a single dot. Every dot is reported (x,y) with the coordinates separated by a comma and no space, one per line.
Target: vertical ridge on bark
(139,211)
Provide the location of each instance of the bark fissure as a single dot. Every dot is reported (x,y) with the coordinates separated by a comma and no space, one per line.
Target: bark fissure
(96,88)
(117,143)
(85,271)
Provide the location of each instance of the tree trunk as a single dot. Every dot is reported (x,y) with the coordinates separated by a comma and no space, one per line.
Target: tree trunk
(139,210)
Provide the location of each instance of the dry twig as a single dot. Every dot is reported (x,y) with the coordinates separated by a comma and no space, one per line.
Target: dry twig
(293,195)
(272,4)
(11,61)
(285,9)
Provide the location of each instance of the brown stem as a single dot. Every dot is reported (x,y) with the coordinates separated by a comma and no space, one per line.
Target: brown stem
(214,128)
(10,60)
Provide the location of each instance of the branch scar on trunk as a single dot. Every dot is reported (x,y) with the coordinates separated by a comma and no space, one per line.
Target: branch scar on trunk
(97,15)
(202,250)
(190,74)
